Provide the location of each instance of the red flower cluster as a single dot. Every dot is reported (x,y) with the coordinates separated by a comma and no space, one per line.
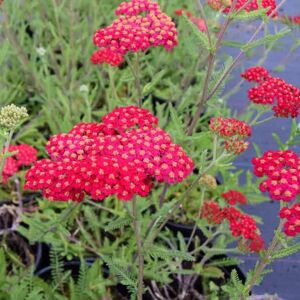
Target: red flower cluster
(25,155)
(282,169)
(233,131)
(233,197)
(292,216)
(199,22)
(212,212)
(140,25)
(291,19)
(252,6)
(272,90)
(121,156)
(241,225)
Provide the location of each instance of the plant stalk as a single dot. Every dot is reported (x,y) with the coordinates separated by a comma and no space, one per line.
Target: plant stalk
(137,230)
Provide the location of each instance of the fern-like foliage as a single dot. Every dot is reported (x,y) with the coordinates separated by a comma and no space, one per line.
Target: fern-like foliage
(126,277)
(167,254)
(118,223)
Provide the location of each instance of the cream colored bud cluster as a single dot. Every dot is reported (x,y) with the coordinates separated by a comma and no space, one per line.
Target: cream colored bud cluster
(11,116)
(208,181)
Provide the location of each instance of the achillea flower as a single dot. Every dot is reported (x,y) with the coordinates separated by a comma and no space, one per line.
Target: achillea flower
(284,97)
(230,127)
(121,156)
(212,212)
(106,55)
(241,225)
(256,74)
(252,6)
(233,197)
(292,216)
(133,32)
(25,155)
(291,19)
(282,171)
(233,131)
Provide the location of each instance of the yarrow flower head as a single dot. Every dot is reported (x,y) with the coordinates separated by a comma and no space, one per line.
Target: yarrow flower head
(24,155)
(121,156)
(273,91)
(233,131)
(11,116)
(233,197)
(295,20)
(140,25)
(252,6)
(292,216)
(282,170)
(241,225)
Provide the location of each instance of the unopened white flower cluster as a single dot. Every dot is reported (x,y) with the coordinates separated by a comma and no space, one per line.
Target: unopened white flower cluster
(11,116)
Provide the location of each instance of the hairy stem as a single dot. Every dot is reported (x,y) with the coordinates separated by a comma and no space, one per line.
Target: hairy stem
(137,230)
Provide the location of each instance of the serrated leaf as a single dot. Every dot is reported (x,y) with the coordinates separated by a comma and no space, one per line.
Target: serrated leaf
(118,223)
(269,38)
(200,37)
(286,252)
(251,15)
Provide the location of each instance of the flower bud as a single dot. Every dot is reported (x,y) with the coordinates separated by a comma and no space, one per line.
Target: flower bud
(208,182)
(11,116)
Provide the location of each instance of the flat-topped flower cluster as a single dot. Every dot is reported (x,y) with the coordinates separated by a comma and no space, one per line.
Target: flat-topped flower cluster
(121,156)
(140,25)
(241,225)
(273,91)
(242,4)
(23,155)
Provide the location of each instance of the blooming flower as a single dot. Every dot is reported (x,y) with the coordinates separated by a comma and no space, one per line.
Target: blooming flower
(292,216)
(25,155)
(291,19)
(121,156)
(233,131)
(252,6)
(212,212)
(241,225)
(233,197)
(140,25)
(284,97)
(282,171)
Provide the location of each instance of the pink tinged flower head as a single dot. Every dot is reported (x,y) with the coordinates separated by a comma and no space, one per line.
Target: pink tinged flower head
(281,170)
(292,216)
(136,7)
(121,156)
(282,96)
(291,19)
(140,25)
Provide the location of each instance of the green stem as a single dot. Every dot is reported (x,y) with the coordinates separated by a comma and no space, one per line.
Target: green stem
(265,260)
(5,152)
(136,225)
